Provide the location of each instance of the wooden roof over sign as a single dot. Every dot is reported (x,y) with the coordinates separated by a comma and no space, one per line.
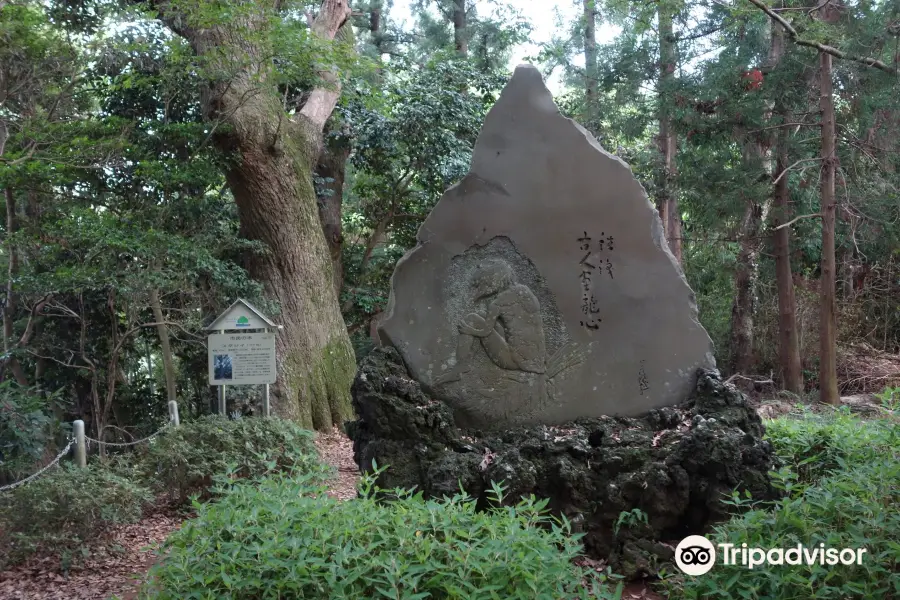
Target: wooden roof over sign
(241,315)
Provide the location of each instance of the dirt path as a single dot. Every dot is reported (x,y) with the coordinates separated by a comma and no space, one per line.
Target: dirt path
(336,449)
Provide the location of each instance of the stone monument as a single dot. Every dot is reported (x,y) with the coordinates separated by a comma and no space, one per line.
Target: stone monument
(542,335)
(542,288)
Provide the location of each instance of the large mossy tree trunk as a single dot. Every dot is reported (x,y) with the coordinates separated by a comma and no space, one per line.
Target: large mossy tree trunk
(272,157)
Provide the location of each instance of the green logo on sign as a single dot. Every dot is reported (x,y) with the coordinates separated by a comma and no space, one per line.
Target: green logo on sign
(243,322)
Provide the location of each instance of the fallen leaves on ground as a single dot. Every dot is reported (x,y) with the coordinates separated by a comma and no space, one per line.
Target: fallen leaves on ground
(336,449)
(113,568)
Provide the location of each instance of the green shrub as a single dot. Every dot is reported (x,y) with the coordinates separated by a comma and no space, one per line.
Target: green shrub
(853,509)
(843,494)
(26,429)
(64,508)
(815,445)
(286,538)
(186,460)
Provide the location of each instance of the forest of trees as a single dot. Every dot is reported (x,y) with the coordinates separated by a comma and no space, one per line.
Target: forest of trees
(160,159)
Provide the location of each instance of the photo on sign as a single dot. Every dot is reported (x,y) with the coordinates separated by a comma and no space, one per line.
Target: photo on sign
(222,368)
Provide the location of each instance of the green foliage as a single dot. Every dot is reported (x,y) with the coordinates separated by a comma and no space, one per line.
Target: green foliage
(815,446)
(849,509)
(26,427)
(286,537)
(842,494)
(629,518)
(64,508)
(186,460)
(890,398)
(412,139)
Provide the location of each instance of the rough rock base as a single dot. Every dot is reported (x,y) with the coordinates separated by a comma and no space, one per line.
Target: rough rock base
(674,464)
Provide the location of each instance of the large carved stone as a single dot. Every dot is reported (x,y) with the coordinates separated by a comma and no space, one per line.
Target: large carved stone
(542,288)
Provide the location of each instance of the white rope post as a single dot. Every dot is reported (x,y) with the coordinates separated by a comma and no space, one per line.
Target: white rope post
(173,413)
(80,446)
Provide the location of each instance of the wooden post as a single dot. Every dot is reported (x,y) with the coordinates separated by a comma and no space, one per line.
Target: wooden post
(222,405)
(80,448)
(266,409)
(173,413)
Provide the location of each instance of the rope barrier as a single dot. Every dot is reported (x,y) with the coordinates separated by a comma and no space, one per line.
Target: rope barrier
(173,413)
(53,463)
(123,444)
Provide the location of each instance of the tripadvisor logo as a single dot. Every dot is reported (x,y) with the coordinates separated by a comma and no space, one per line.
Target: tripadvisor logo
(696,555)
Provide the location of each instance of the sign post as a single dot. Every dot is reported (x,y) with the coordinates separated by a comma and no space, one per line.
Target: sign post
(242,351)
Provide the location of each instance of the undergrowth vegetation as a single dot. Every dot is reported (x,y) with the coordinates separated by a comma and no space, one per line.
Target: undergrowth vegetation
(65,508)
(68,506)
(273,531)
(839,487)
(285,537)
(186,460)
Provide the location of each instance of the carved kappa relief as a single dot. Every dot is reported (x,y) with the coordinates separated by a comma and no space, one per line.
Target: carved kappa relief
(501,367)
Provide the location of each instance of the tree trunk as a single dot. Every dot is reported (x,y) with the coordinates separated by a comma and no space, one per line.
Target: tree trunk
(745,277)
(150,367)
(828,388)
(163,330)
(590,62)
(460,35)
(9,306)
(788,333)
(756,160)
(746,273)
(272,184)
(667,202)
(332,168)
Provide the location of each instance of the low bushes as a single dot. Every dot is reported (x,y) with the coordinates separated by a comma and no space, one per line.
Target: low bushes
(186,460)
(67,506)
(284,537)
(64,508)
(839,483)
(815,445)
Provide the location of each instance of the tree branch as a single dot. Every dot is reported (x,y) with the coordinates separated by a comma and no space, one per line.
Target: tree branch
(56,360)
(866,60)
(318,108)
(758,381)
(795,219)
(786,171)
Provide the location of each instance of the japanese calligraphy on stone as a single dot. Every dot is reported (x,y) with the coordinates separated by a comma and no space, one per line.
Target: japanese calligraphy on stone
(595,264)
(643,382)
